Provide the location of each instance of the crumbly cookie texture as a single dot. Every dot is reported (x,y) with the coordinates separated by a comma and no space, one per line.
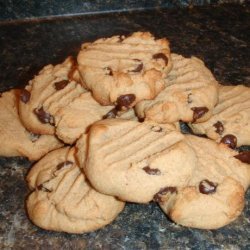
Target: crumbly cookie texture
(51,83)
(190,94)
(135,161)
(62,199)
(15,139)
(231,117)
(214,196)
(118,66)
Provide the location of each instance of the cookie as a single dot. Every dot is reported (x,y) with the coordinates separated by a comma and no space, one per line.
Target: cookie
(190,94)
(135,161)
(214,196)
(74,118)
(230,122)
(53,83)
(62,199)
(119,67)
(15,139)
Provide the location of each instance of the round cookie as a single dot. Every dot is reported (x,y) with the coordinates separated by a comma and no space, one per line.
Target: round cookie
(62,199)
(135,161)
(135,65)
(53,83)
(231,117)
(15,139)
(214,196)
(190,94)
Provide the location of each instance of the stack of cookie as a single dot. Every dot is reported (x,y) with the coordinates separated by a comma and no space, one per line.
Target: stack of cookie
(111,121)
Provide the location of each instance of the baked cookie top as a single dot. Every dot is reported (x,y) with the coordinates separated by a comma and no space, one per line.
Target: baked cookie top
(135,65)
(230,122)
(73,120)
(134,161)
(15,139)
(190,94)
(214,196)
(217,161)
(52,82)
(62,199)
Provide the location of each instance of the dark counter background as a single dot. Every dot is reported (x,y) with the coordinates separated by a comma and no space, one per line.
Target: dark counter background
(26,9)
(217,34)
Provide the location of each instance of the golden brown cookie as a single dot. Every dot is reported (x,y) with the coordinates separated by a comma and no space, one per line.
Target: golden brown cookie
(53,83)
(134,161)
(15,139)
(62,199)
(214,196)
(133,66)
(190,94)
(230,122)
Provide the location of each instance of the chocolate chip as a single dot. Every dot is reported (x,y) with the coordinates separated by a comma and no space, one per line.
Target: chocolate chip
(199,112)
(207,187)
(138,68)
(125,101)
(163,191)
(43,116)
(61,84)
(156,129)
(219,127)
(109,71)
(161,56)
(64,164)
(44,189)
(25,95)
(244,157)
(0,94)
(111,114)
(152,171)
(229,140)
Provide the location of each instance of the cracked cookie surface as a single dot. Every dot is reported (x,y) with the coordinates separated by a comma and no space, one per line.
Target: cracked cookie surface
(119,65)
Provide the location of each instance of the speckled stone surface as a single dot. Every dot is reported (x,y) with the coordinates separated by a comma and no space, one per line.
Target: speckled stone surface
(10,9)
(218,35)
(28,9)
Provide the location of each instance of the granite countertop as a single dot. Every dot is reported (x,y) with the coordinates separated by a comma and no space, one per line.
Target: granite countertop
(216,34)
(26,9)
